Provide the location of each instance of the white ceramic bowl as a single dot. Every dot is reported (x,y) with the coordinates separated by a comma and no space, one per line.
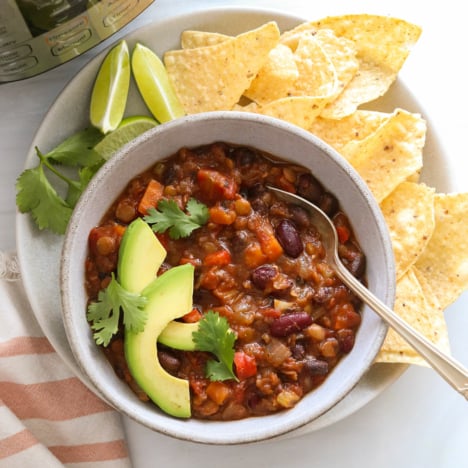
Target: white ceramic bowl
(285,141)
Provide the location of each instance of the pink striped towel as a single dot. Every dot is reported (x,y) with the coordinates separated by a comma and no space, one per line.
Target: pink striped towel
(48,417)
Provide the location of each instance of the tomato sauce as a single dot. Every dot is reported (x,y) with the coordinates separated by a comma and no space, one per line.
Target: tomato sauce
(259,262)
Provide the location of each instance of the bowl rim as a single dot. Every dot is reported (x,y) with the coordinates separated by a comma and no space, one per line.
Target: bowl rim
(183,429)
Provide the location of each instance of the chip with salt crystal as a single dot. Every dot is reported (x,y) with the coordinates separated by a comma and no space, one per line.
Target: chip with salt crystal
(391,154)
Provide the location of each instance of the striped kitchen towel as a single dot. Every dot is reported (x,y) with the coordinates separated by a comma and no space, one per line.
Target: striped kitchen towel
(48,417)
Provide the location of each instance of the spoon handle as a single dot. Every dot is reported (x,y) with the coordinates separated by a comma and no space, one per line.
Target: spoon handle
(450,369)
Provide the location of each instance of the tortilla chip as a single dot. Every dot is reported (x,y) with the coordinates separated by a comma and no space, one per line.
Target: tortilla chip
(317,75)
(444,262)
(409,214)
(191,39)
(356,127)
(369,83)
(276,78)
(416,305)
(382,45)
(391,154)
(342,54)
(298,110)
(214,77)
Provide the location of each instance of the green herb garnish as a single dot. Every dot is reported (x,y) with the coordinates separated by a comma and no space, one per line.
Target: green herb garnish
(104,314)
(215,336)
(37,195)
(170,217)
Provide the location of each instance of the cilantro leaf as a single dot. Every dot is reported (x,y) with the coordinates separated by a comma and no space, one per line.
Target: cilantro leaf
(77,149)
(214,335)
(105,313)
(36,195)
(170,217)
(85,175)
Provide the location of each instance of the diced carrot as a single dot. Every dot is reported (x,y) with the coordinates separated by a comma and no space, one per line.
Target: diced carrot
(218,392)
(153,193)
(270,245)
(246,366)
(254,256)
(270,312)
(342,226)
(221,215)
(219,258)
(196,262)
(164,238)
(209,279)
(216,186)
(193,316)
(266,236)
(343,234)
(285,184)
(347,317)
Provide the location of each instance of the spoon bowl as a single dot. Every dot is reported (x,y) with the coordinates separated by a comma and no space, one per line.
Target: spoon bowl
(450,369)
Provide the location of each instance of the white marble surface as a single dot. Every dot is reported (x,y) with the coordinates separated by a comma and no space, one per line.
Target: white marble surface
(419,421)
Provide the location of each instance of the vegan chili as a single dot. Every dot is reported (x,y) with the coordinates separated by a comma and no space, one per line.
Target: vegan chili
(258,261)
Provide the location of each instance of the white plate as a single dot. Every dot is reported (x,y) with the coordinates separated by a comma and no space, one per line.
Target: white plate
(39,252)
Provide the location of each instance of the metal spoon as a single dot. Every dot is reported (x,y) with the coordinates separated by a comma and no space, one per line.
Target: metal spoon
(451,370)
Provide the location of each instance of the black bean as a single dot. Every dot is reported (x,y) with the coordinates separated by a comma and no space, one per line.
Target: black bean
(309,187)
(289,238)
(323,294)
(170,362)
(263,275)
(244,156)
(172,172)
(300,216)
(290,323)
(353,258)
(328,204)
(298,351)
(256,195)
(316,366)
(346,339)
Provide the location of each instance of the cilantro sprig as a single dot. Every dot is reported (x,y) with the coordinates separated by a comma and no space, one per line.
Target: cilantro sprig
(36,193)
(168,216)
(104,314)
(215,336)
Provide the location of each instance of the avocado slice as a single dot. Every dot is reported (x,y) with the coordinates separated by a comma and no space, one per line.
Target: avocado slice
(169,297)
(178,335)
(140,256)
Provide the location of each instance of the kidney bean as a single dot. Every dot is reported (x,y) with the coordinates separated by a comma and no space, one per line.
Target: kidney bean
(309,187)
(263,275)
(289,238)
(290,323)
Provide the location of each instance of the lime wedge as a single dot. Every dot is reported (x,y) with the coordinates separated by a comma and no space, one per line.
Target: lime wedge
(154,85)
(110,90)
(128,129)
